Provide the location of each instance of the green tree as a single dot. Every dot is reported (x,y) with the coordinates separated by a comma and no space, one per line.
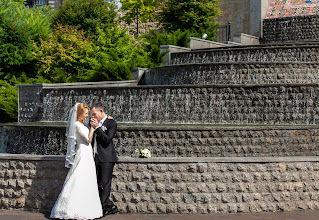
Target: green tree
(64,56)
(19,28)
(198,16)
(138,11)
(116,53)
(88,15)
(70,56)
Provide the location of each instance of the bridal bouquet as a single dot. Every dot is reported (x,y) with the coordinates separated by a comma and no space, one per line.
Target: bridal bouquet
(141,153)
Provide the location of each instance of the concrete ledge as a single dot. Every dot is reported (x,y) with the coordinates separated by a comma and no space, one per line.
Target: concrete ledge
(189,85)
(245,39)
(104,84)
(197,43)
(173,159)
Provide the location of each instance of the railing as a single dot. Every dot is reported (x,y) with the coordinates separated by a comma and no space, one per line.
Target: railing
(32,3)
(40,2)
(223,32)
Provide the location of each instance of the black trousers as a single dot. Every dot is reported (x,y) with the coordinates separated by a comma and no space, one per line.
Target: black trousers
(104,179)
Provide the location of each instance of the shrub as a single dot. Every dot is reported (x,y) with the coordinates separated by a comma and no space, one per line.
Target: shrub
(8,102)
(70,56)
(63,57)
(116,53)
(19,26)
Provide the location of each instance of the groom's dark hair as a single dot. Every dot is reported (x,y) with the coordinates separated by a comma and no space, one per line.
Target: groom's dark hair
(98,105)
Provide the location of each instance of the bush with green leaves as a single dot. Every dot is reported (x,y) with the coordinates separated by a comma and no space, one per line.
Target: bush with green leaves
(116,53)
(87,15)
(64,56)
(70,56)
(20,28)
(8,102)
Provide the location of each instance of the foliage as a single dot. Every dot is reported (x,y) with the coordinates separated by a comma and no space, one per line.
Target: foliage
(70,56)
(8,102)
(64,56)
(116,53)
(87,15)
(19,26)
(198,16)
(155,40)
(139,10)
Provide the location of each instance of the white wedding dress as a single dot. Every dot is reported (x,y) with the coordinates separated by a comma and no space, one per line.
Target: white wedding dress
(79,198)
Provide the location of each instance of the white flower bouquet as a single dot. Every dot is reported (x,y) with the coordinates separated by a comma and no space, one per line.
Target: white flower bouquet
(141,153)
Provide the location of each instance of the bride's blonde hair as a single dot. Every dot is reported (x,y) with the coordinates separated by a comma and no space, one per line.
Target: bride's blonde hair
(80,109)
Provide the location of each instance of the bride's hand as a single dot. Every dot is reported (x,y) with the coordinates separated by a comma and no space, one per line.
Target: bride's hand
(110,117)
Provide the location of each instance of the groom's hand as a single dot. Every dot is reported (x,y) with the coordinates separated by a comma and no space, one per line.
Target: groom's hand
(94,122)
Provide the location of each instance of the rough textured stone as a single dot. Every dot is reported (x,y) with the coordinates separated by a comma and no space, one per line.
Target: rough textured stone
(215,141)
(291,29)
(233,187)
(293,104)
(234,72)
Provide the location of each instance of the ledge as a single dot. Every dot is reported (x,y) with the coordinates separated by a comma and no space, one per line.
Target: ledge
(173,127)
(187,86)
(237,63)
(271,46)
(173,159)
(101,84)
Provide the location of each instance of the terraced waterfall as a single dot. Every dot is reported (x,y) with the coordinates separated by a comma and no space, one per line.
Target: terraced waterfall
(231,129)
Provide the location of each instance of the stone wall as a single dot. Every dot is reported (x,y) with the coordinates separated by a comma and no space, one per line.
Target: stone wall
(29,101)
(177,141)
(293,104)
(262,53)
(167,185)
(291,29)
(233,73)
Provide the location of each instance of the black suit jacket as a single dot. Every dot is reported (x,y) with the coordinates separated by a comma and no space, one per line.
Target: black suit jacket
(105,145)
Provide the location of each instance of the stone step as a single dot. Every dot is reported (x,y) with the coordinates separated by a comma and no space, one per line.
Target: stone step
(256,53)
(174,140)
(267,104)
(233,73)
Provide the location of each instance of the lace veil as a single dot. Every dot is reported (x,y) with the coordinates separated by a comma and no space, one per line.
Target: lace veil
(70,134)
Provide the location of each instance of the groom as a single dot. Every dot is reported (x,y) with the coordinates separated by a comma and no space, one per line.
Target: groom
(104,154)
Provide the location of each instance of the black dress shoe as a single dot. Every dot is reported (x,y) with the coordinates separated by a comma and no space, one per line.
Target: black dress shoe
(110,211)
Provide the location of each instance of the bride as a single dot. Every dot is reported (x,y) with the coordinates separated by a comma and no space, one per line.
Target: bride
(79,198)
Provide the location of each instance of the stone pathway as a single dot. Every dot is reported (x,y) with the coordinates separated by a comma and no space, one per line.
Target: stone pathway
(300,215)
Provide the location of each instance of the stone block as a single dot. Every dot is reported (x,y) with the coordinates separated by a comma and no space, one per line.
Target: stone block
(151,208)
(12,183)
(135,198)
(141,208)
